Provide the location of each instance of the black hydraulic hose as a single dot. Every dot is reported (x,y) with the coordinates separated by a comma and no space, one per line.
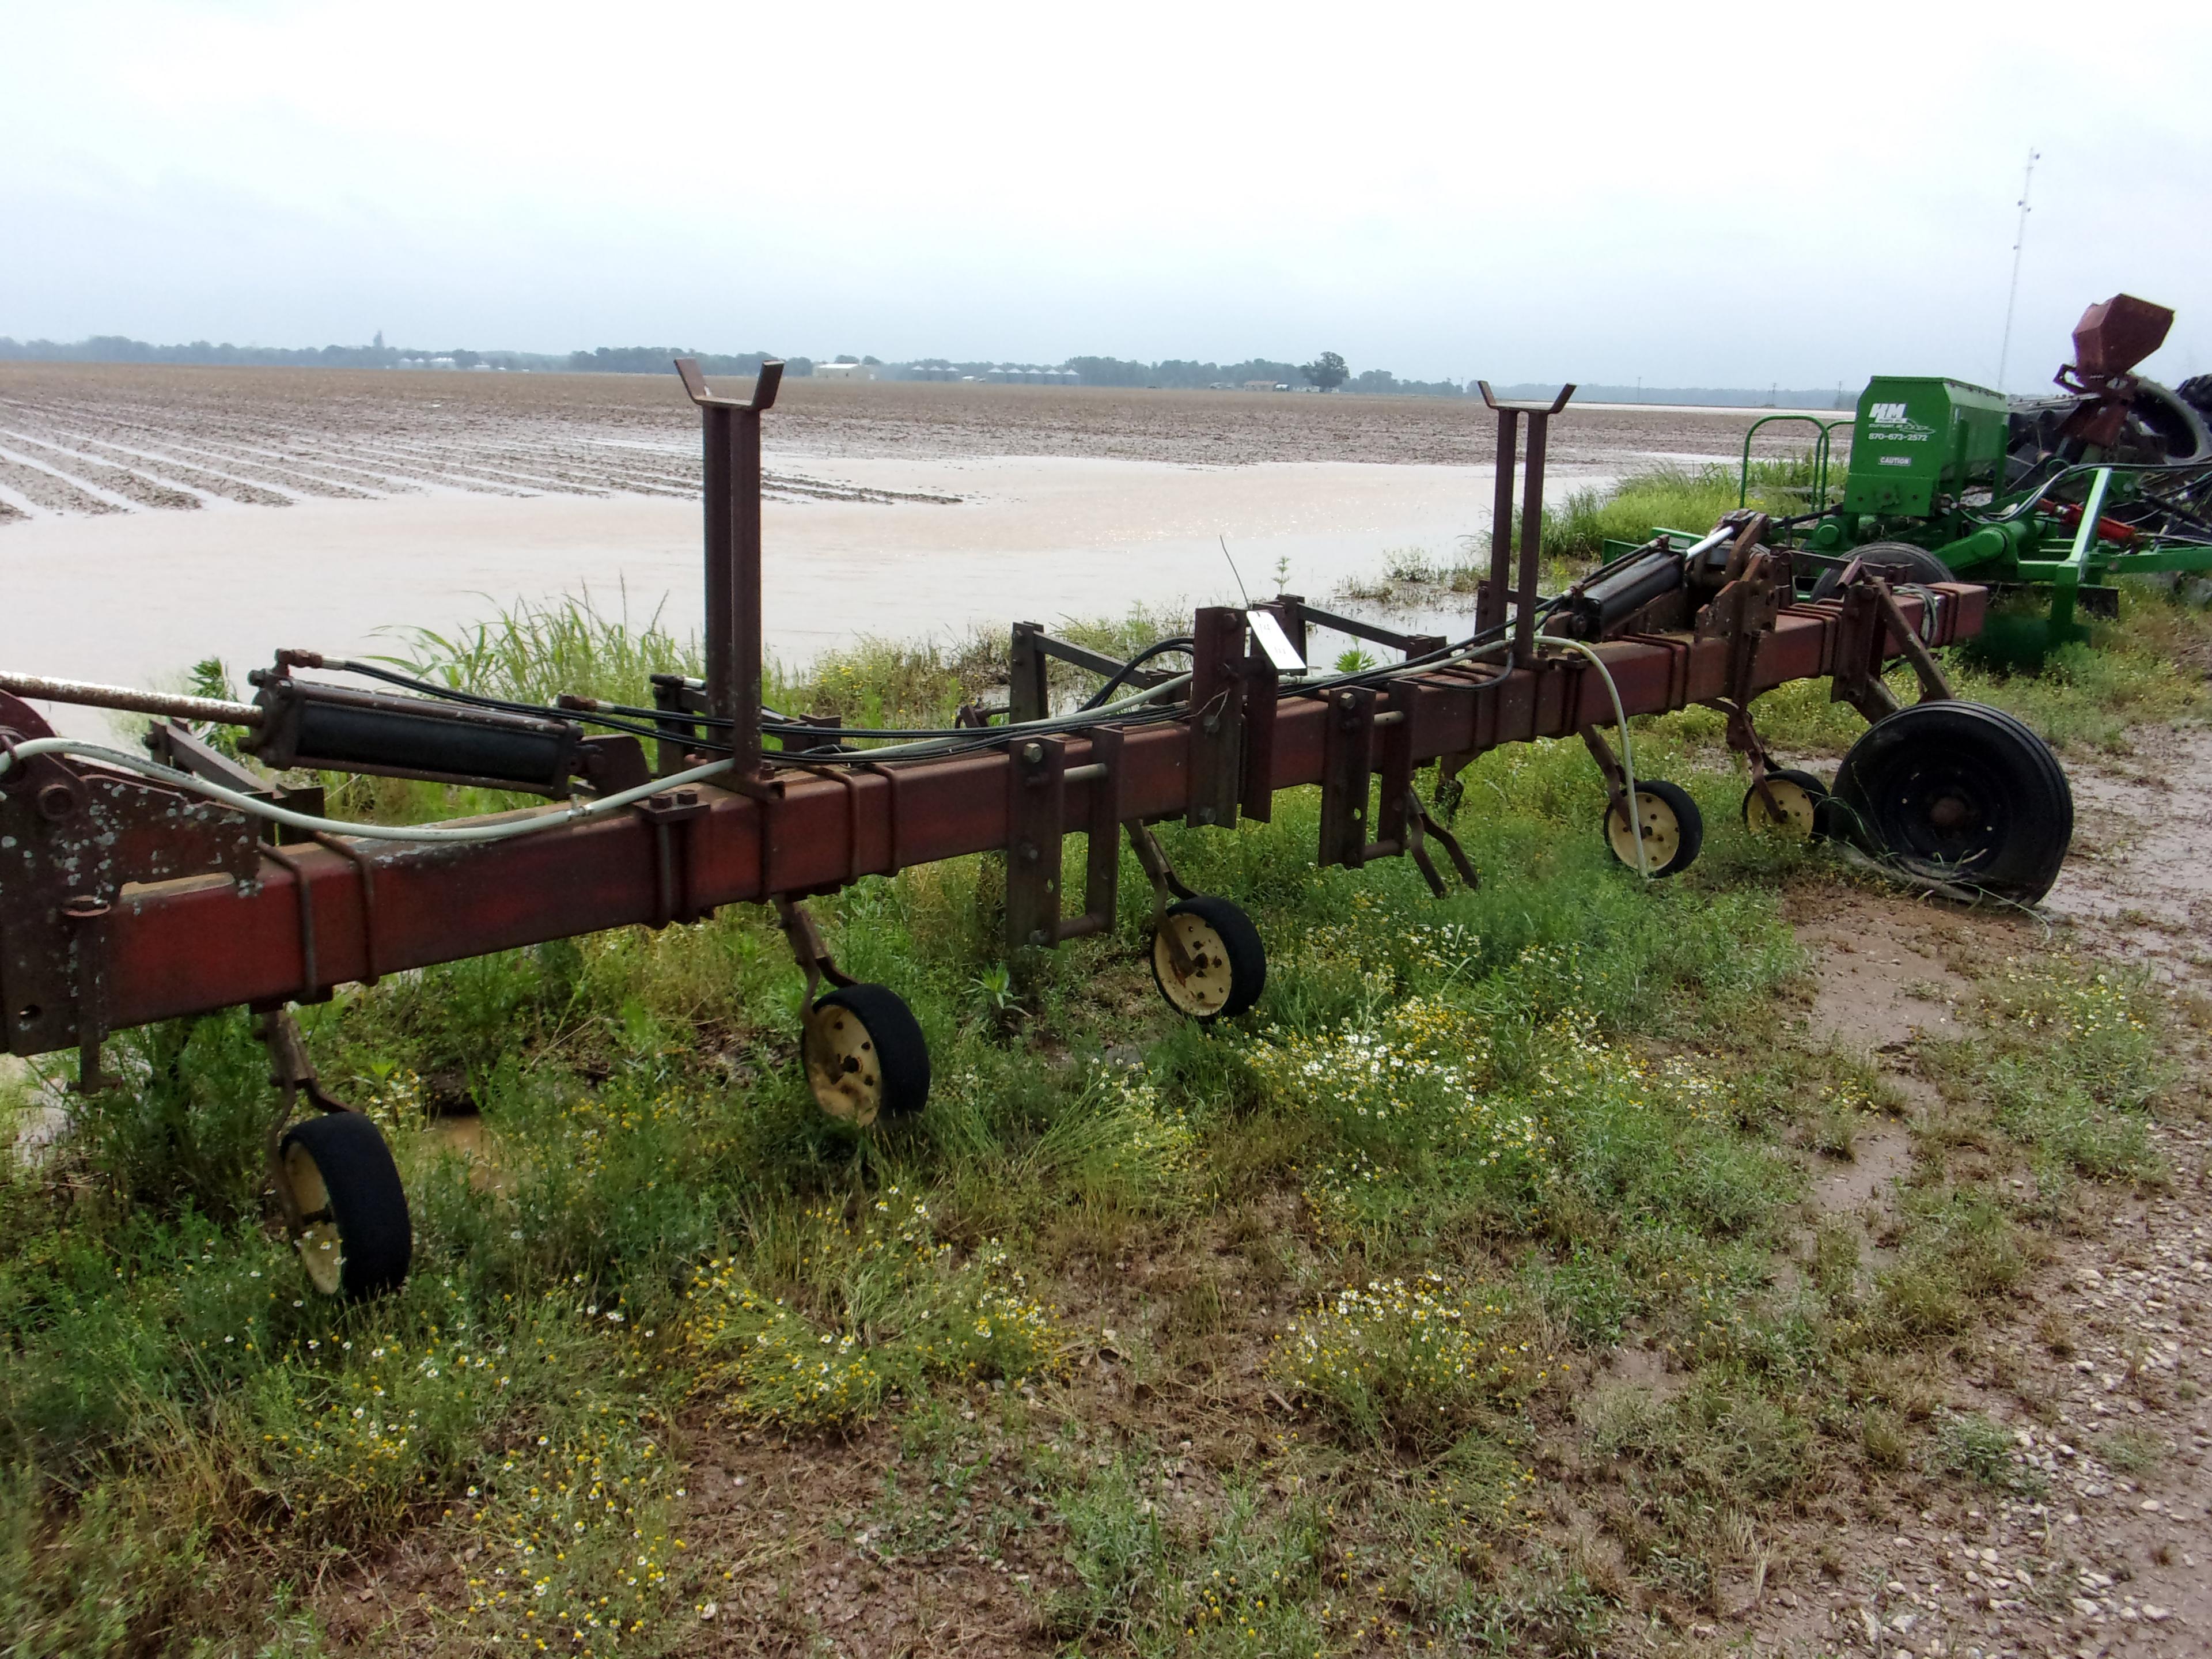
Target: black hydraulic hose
(2020,508)
(831,745)
(1183,642)
(2174,510)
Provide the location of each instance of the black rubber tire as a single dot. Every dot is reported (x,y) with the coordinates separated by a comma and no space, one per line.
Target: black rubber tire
(367,1205)
(2172,428)
(1240,944)
(1815,791)
(901,1050)
(2197,392)
(1908,564)
(1690,826)
(1960,793)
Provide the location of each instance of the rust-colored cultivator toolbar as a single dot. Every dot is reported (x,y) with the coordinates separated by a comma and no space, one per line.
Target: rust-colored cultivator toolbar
(134,889)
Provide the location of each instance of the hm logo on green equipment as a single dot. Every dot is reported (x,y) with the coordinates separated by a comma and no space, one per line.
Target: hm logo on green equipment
(1890,423)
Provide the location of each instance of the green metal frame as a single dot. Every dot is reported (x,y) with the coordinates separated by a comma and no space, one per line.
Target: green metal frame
(1820,455)
(2065,576)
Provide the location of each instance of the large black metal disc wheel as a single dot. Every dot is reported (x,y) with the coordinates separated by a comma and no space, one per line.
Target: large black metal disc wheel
(866,1058)
(1796,814)
(355,1238)
(1958,793)
(1901,562)
(1672,829)
(1223,967)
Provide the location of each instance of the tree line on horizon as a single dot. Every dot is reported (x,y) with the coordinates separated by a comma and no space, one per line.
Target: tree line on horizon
(1327,372)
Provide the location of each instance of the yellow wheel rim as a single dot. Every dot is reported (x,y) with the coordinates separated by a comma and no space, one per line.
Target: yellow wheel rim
(842,1067)
(1796,803)
(1663,832)
(1203,989)
(321,1251)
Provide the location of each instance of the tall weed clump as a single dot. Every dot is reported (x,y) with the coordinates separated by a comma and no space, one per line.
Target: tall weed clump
(533,651)
(1415,1362)
(869,1308)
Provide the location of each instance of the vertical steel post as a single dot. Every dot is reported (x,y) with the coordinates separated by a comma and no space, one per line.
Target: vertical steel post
(731,437)
(1532,533)
(1489,601)
(744,690)
(716,499)
(1490,607)
(1029,691)
(1217,715)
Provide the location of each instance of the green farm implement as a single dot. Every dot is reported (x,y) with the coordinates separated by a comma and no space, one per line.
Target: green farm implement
(2047,500)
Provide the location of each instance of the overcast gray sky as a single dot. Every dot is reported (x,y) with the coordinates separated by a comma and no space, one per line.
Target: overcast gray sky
(1689,193)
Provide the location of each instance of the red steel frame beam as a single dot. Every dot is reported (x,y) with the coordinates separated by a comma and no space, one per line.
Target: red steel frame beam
(194,946)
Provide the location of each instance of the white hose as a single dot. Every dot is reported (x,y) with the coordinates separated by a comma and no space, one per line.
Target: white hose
(1077,721)
(577,812)
(1627,750)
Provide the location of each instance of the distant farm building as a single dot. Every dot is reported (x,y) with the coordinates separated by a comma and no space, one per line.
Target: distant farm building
(844,371)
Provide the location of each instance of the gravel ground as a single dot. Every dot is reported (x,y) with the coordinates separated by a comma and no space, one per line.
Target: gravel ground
(2105,1546)
(2098,1539)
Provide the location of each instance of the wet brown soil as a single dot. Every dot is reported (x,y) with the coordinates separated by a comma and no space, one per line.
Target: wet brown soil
(2104,1545)
(79,438)
(2139,882)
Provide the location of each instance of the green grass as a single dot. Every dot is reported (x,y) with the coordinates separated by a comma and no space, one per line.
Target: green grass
(1674,496)
(1280,1336)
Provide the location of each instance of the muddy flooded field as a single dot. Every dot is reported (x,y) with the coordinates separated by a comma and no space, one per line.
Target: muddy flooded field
(103,438)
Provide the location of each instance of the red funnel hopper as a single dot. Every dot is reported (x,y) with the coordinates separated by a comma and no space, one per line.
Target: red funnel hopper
(2115,335)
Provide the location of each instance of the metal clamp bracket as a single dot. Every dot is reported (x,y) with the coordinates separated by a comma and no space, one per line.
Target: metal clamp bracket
(1217,717)
(675,817)
(1036,827)
(1347,747)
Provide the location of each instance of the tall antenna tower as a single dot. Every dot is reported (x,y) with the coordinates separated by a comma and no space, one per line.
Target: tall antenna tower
(2019,241)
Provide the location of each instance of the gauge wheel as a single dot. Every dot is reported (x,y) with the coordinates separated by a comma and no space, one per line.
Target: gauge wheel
(1672,829)
(355,1238)
(1901,562)
(1799,794)
(866,1058)
(1228,965)
(1959,792)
